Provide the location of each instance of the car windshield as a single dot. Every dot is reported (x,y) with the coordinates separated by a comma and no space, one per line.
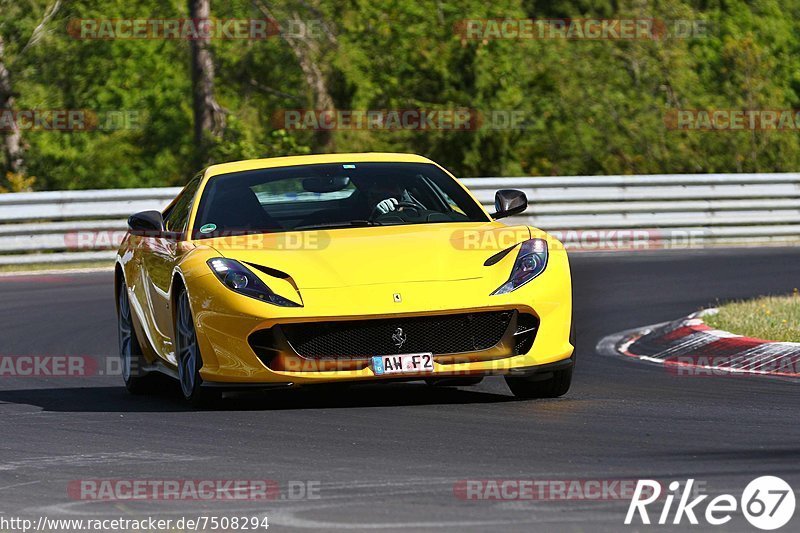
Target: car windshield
(329,196)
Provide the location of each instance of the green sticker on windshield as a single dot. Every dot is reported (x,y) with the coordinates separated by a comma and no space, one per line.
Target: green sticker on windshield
(207,228)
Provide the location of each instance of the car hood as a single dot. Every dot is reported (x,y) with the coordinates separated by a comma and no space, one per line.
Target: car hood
(348,257)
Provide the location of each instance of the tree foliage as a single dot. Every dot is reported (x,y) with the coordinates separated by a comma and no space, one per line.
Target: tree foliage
(589,106)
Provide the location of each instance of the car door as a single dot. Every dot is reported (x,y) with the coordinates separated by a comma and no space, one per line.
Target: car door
(162,255)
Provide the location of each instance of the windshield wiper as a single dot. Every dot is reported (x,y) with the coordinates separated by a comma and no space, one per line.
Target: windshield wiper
(348,224)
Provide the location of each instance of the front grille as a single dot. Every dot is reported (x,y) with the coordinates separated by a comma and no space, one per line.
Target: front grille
(441,334)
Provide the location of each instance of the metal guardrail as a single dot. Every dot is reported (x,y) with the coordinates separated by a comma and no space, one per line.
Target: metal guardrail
(73,226)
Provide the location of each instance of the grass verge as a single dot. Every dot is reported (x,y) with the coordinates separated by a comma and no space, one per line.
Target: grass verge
(775,318)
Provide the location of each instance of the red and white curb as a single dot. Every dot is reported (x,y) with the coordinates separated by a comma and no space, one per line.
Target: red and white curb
(689,347)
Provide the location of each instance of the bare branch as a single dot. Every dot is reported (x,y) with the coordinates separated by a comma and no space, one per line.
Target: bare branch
(38,32)
(304,50)
(266,88)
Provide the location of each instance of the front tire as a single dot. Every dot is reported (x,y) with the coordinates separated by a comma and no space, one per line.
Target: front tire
(546,385)
(136,379)
(187,353)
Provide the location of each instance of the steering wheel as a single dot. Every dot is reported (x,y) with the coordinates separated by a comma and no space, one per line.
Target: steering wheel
(400,206)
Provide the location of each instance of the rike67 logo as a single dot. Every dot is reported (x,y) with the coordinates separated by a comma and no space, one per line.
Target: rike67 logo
(767,502)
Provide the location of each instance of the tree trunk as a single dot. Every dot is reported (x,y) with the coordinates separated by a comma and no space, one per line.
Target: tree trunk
(12,140)
(209,118)
(315,79)
(308,53)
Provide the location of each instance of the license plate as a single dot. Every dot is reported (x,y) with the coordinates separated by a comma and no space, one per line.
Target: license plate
(409,363)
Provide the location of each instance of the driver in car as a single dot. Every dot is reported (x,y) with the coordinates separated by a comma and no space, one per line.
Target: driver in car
(386,195)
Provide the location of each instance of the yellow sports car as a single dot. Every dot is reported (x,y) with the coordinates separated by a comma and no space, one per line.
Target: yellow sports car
(340,268)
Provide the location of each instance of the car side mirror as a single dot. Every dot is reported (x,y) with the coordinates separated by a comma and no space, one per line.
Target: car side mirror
(509,202)
(146,222)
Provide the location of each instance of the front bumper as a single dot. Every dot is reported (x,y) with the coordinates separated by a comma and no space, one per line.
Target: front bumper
(529,371)
(225,321)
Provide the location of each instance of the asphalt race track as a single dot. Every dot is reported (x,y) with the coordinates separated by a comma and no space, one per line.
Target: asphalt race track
(387,456)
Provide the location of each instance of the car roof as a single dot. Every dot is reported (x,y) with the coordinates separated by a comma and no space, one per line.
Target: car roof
(274,162)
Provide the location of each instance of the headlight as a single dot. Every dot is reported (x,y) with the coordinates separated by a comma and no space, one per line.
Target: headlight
(531,261)
(239,278)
